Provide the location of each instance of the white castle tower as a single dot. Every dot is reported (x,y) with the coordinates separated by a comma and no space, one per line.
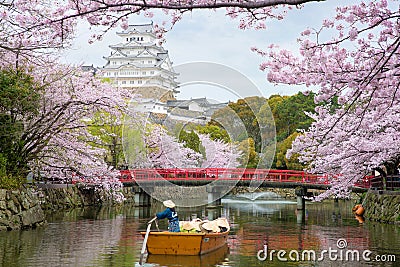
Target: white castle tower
(140,64)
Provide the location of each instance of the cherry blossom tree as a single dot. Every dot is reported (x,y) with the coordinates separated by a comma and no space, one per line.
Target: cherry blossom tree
(164,150)
(219,154)
(54,138)
(360,67)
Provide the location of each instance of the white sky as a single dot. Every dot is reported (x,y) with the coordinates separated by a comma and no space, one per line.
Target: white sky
(208,36)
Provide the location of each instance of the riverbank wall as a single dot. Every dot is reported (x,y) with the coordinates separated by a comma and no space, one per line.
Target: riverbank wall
(20,209)
(382,206)
(26,207)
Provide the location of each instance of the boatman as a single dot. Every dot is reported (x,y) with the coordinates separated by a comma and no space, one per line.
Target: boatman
(171,215)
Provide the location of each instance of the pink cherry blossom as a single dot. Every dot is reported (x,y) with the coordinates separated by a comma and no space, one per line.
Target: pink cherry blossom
(361,69)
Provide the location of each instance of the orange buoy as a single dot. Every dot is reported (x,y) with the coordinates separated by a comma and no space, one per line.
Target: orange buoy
(358,210)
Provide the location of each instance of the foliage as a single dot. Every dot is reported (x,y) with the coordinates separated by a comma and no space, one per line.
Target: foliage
(191,140)
(249,158)
(9,180)
(108,129)
(243,112)
(215,132)
(19,98)
(278,115)
(282,162)
(290,114)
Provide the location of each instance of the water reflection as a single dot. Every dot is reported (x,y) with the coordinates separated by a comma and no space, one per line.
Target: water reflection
(110,236)
(211,259)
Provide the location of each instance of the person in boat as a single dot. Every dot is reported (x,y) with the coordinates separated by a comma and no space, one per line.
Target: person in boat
(171,215)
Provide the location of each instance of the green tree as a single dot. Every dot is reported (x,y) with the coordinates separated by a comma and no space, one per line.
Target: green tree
(215,132)
(108,129)
(289,114)
(19,101)
(243,112)
(249,158)
(284,163)
(191,140)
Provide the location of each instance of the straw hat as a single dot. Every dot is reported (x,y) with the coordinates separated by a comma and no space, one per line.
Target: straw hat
(196,225)
(210,226)
(169,204)
(223,222)
(187,226)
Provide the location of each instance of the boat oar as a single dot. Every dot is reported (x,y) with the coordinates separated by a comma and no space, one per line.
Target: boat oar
(145,239)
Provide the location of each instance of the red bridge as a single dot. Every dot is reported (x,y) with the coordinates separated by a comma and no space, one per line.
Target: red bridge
(197,176)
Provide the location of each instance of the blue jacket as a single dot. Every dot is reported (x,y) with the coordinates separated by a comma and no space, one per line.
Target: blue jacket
(172,215)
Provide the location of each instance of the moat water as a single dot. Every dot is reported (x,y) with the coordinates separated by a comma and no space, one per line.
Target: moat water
(110,237)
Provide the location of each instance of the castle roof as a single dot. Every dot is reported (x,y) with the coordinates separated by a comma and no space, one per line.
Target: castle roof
(203,102)
(147,27)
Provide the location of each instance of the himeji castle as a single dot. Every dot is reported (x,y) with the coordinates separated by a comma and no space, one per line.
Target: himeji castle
(139,63)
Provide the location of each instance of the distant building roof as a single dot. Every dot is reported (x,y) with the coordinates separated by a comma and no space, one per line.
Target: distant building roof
(203,102)
(186,113)
(90,68)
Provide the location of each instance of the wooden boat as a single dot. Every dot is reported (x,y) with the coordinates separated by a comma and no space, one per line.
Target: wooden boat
(184,243)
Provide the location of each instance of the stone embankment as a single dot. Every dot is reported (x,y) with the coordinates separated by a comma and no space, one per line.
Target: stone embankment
(25,208)
(66,197)
(382,206)
(20,209)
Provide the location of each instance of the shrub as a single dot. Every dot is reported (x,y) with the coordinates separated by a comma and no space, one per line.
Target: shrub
(9,181)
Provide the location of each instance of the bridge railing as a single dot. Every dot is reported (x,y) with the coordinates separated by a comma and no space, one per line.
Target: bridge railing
(233,174)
